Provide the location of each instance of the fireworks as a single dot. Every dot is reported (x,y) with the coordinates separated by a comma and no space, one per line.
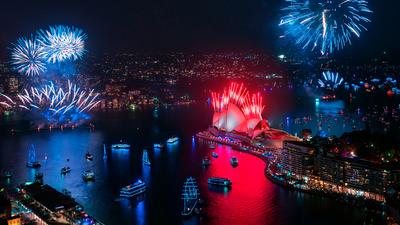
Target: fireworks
(330,80)
(325,25)
(238,95)
(28,57)
(55,105)
(32,56)
(62,43)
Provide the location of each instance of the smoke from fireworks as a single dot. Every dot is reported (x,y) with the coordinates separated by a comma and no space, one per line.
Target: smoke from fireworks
(55,105)
(325,25)
(62,43)
(28,57)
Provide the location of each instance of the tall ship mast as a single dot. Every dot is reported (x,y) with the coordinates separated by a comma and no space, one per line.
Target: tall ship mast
(190,196)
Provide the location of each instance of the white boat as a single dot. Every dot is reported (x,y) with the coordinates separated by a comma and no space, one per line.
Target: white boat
(158,145)
(32,161)
(88,175)
(132,190)
(121,145)
(234,161)
(212,146)
(190,196)
(214,154)
(172,140)
(145,158)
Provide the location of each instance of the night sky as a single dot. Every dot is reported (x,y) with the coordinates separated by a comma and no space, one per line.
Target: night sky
(162,25)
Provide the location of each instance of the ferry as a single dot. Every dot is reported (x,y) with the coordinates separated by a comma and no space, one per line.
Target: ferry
(158,145)
(214,154)
(218,181)
(205,161)
(88,175)
(65,170)
(32,161)
(88,156)
(172,140)
(132,190)
(190,196)
(234,161)
(121,145)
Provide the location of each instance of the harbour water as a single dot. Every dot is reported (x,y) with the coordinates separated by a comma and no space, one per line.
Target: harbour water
(253,199)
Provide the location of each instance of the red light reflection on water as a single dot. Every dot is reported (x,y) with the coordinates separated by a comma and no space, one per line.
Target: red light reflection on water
(249,200)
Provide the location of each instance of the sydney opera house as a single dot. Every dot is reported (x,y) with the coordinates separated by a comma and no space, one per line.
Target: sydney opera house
(238,114)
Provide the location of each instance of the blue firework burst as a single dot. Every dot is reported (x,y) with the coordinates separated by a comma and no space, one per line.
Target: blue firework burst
(62,43)
(28,56)
(324,25)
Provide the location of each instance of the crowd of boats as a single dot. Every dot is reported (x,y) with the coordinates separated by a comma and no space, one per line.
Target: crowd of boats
(190,191)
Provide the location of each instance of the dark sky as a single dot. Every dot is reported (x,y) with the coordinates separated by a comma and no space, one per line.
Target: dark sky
(154,25)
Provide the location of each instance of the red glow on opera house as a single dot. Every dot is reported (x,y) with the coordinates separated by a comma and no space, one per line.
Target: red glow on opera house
(238,111)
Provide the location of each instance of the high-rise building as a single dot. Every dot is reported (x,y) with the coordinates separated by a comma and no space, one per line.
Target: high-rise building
(297,158)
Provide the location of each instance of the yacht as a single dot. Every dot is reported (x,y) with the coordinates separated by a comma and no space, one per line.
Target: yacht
(132,190)
(158,145)
(214,154)
(234,161)
(172,140)
(205,161)
(88,175)
(88,156)
(32,161)
(145,158)
(218,181)
(65,170)
(121,145)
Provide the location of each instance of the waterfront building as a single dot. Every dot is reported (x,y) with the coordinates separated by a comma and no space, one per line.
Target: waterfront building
(297,159)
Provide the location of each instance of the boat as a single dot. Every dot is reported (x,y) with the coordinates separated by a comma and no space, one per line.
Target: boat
(145,158)
(172,140)
(205,161)
(190,196)
(65,170)
(104,151)
(234,161)
(121,146)
(88,156)
(212,146)
(132,190)
(39,178)
(158,145)
(32,161)
(219,181)
(214,154)
(7,175)
(88,175)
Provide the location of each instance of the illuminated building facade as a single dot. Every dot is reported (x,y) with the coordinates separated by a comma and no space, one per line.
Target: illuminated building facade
(297,158)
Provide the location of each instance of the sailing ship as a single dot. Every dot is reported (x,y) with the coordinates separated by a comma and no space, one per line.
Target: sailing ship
(190,196)
(32,161)
(145,158)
